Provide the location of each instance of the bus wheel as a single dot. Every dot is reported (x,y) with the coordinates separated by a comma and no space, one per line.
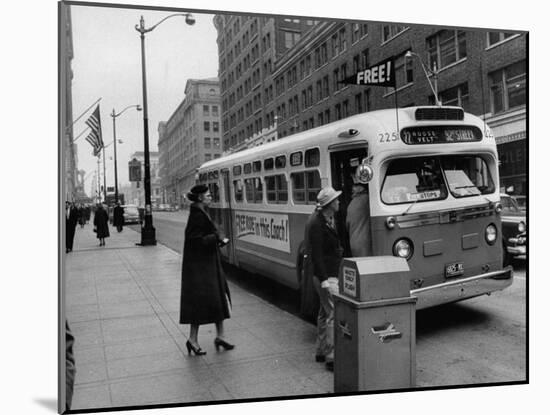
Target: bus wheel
(309,300)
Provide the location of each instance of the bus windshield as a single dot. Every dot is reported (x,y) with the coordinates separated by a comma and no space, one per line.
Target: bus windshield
(423,179)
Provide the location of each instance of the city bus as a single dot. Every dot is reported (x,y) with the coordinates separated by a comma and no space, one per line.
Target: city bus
(433,190)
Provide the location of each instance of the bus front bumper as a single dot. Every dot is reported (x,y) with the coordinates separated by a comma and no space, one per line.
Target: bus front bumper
(461,289)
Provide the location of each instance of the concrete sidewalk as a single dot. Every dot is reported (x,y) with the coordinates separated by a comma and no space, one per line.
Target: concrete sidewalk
(122,303)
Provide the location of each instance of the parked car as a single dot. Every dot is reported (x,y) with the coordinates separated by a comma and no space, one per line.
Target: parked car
(522,202)
(131,214)
(165,207)
(514,228)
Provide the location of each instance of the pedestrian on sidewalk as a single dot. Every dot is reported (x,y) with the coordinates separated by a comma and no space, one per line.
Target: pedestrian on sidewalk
(70,368)
(324,250)
(71,220)
(101,224)
(81,215)
(118,217)
(205,296)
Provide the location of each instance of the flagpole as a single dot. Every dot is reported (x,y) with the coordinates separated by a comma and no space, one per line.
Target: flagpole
(86,110)
(396,108)
(104,178)
(98,181)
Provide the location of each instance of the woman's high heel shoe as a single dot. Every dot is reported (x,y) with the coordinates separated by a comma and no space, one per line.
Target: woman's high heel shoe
(222,343)
(190,348)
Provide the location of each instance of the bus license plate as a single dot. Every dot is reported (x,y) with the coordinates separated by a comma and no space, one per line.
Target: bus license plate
(454,270)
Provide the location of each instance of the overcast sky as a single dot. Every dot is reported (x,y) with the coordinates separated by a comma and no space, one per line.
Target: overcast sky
(107,65)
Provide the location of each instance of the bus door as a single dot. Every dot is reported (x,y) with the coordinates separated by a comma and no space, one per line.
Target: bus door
(342,166)
(227,219)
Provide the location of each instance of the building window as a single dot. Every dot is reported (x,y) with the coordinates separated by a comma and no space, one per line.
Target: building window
(291,38)
(206,126)
(358,104)
(216,142)
(215,110)
(403,73)
(216,126)
(336,79)
(508,87)
(343,40)
(321,56)
(390,31)
(206,142)
(497,37)
(338,111)
(445,48)
(207,157)
(355,32)
(335,45)
(345,108)
(325,90)
(364,61)
(456,96)
(205,110)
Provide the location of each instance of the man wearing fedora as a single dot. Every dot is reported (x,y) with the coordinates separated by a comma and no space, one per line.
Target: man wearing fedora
(324,250)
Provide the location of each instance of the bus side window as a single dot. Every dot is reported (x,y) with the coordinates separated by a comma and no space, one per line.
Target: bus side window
(276,189)
(214,191)
(305,186)
(238,190)
(312,157)
(254,191)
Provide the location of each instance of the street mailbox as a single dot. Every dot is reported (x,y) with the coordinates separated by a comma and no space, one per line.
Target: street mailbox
(374,325)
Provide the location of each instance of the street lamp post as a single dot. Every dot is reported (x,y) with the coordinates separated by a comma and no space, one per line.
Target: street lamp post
(114,115)
(427,72)
(148,231)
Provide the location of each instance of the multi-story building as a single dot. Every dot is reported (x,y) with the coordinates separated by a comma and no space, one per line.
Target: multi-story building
(249,47)
(190,137)
(482,71)
(136,195)
(69,147)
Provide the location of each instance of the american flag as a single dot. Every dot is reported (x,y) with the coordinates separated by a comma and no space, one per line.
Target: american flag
(95,138)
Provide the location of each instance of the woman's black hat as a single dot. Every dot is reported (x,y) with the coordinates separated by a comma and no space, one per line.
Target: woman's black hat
(199,189)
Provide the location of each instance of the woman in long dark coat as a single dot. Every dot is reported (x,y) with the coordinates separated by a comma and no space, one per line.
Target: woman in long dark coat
(101,224)
(205,295)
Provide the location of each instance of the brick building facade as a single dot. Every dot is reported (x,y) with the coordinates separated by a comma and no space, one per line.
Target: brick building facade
(298,86)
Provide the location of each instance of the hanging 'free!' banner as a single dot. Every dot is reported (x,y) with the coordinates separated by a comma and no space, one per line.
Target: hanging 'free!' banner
(381,74)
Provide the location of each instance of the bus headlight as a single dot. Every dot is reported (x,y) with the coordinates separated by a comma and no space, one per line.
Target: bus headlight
(491,234)
(403,248)
(521,227)
(498,207)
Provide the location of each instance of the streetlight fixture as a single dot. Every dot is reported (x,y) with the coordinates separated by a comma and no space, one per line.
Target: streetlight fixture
(114,115)
(427,72)
(148,231)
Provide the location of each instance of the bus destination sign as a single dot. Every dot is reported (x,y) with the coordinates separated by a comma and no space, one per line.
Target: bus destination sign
(440,134)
